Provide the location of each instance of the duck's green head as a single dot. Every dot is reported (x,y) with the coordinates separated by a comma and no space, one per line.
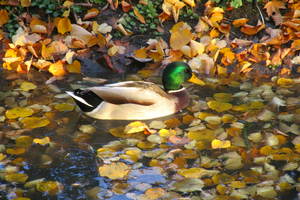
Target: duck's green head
(175,74)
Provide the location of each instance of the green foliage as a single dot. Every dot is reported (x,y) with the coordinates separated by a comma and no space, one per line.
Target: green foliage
(51,8)
(149,12)
(232,3)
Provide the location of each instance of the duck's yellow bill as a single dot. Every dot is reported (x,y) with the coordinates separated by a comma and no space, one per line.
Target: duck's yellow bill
(196,80)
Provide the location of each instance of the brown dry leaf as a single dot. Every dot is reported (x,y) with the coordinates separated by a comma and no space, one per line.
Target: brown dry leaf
(240,22)
(3,17)
(64,25)
(114,171)
(139,16)
(126,6)
(274,6)
(252,30)
(25,3)
(57,69)
(91,13)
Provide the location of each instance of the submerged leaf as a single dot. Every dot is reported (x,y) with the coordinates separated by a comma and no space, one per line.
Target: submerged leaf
(18,112)
(219,106)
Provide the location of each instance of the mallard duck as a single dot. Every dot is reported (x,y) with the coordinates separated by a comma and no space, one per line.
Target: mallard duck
(137,100)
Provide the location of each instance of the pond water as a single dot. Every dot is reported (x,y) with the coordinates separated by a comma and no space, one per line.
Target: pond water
(238,139)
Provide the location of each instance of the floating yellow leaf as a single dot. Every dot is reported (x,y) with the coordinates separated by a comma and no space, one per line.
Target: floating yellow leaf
(21,198)
(155,193)
(135,127)
(42,141)
(285,82)
(64,25)
(216,144)
(139,16)
(192,172)
(223,97)
(24,141)
(3,17)
(64,107)
(51,187)
(238,184)
(2,156)
(27,86)
(34,122)
(16,151)
(57,69)
(219,106)
(18,112)
(16,177)
(114,171)
(75,67)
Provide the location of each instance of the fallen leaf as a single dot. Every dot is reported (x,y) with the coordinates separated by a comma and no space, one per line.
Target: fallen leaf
(75,67)
(57,69)
(219,106)
(16,177)
(3,17)
(64,107)
(117,170)
(18,112)
(34,122)
(139,16)
(91,13)
(64,25)
(27,86)
(42,141)
(217,144)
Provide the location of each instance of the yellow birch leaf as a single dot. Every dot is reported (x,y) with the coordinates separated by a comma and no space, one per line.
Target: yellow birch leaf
(64,107)
(180,38)
(135,127)
(75,67)
(27,86)
(139,16)
(16,151)
(68,4)
(25,3)
(219,106)
(238,184)
(3,17)
(190,2)
(2,156)
(217,144)
(18,112)
(51,187)
(113,50)
(114,171)
(42,141)
(34,122)
(197,47)
(223,97)
(64,25)
(57,69)
(155,193)
(21,198)
(285,82)
(191,172)
(16,177)
(24,141)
